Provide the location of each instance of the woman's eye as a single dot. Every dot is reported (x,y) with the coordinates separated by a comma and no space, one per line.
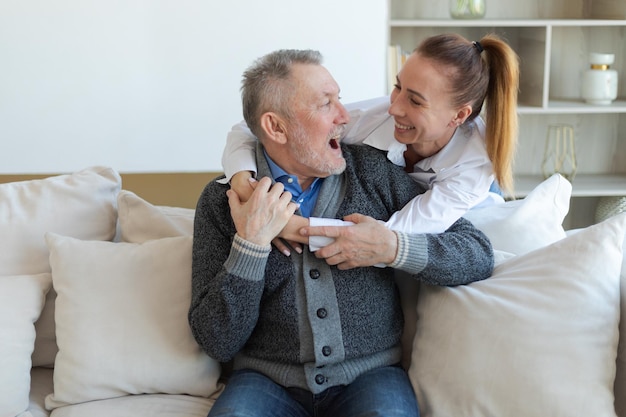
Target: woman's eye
(396,86)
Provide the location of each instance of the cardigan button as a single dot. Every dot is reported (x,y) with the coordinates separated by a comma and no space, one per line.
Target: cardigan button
(314,274)
(322,313)
(326,351)
(320,379)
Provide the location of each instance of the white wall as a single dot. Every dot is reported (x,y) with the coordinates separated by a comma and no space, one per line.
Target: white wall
(153,85)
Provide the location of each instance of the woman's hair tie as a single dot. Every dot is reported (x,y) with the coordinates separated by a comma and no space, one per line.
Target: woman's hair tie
(478,46)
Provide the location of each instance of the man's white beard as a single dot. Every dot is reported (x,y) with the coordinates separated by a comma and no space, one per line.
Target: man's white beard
(310,158)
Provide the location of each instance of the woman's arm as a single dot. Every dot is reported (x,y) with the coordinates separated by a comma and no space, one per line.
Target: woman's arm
(434,211)
(239,152)
(449,198)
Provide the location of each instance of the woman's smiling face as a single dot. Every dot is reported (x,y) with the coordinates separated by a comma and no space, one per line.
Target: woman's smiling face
(420,106)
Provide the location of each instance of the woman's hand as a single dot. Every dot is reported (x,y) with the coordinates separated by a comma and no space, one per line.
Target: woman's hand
(290,235)
(368,242)
(243,184)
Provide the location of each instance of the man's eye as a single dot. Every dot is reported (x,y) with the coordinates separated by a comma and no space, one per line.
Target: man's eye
(396,86)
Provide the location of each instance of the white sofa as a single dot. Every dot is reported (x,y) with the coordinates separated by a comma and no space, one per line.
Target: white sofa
(94,291)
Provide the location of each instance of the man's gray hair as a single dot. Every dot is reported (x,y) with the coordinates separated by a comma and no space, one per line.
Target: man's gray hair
(267,84)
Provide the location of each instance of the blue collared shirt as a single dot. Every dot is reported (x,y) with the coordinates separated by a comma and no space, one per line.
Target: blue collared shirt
(307,198)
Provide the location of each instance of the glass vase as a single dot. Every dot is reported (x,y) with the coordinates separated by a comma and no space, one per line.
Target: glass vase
(560,152)
(467,9)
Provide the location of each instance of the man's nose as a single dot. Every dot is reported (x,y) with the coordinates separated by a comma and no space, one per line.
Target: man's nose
(344,116)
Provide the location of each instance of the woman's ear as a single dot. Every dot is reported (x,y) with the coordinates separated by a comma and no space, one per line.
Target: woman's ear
(274,127)
(462,114)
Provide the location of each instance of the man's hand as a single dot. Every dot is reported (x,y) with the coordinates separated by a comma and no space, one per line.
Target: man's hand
(289,237)
(368,242)
(263,216)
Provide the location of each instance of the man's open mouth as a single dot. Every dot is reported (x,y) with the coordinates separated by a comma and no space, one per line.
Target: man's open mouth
(335,138)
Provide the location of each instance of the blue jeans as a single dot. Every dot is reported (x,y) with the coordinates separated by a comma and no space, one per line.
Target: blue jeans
(381,392)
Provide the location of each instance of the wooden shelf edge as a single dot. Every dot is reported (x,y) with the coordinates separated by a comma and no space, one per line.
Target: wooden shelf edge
(583,185)
(573,106)
(526,22)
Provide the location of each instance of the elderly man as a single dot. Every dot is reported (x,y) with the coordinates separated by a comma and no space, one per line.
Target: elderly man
(306,337)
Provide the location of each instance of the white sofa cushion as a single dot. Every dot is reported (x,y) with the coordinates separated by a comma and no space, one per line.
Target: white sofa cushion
(121,316)
(538,338)
(534,221)
(152,405)
(520,226)
(21,300)
(140,221)
(82,205)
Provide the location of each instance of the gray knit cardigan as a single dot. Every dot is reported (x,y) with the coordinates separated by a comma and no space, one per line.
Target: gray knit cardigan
(300,321)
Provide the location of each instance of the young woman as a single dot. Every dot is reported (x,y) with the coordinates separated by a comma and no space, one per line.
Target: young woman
(432,126)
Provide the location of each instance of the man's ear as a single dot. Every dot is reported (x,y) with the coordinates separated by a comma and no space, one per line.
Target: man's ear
(274,127)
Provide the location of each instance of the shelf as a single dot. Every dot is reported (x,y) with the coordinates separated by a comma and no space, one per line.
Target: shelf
(398,23)
(573,106)
(583,185)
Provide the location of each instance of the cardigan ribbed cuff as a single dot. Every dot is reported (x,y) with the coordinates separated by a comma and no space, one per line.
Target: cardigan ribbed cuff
(412,254)
(247,259)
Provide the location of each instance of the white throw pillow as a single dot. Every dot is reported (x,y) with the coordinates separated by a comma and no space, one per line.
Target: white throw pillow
(538,338)
(534,221)
(520,226)
(121,317)
(82,205)
(140,221)
(21,301)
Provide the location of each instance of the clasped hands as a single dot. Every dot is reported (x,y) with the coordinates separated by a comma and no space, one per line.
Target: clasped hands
(264,213)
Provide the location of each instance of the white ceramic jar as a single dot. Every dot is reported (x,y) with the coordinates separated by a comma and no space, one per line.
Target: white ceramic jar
(599,84)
